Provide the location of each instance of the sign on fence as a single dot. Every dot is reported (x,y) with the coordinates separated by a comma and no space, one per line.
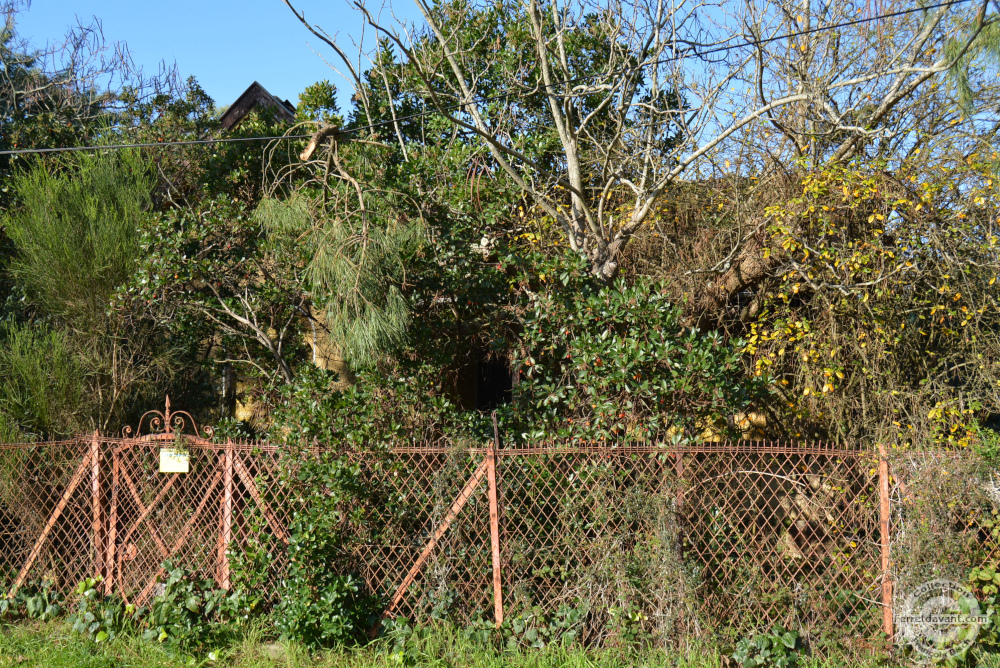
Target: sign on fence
(175,460)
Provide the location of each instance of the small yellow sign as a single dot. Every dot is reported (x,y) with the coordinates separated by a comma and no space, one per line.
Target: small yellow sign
(174,460)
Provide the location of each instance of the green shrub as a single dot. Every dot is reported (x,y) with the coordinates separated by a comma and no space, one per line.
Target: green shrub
(35,600)
(100,617)
(77,232)
(378,410)
(329,613)
(321,604)
(43,384)
(338,505)
(616,362)
(777,649)
(191,613)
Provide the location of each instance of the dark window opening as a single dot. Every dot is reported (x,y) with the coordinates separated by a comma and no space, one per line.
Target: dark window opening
(992,422)
(493,385)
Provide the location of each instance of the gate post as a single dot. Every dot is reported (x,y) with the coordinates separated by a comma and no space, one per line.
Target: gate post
(491,478)
(884,536)
(97,503)
(226,528)
(110,562)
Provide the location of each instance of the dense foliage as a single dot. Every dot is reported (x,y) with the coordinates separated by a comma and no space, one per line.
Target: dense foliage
(618,363)
(358,293)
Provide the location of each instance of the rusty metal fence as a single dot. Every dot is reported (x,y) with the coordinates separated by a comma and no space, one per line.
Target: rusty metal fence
(99,506)
(685,540)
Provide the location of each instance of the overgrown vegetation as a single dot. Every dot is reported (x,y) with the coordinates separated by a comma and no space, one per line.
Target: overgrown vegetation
(190,620)
(523,210)
(847,297)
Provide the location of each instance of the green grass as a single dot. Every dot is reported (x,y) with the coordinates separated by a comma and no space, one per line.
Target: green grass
(54,645)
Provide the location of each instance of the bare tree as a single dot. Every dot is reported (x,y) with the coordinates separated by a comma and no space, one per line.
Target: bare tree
(70,89)
(640,93)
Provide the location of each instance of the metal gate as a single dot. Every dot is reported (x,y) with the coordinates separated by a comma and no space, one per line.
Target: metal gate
(131,516)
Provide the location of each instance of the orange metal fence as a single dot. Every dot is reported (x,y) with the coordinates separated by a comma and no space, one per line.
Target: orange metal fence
(99,506)
(739,535)
(692,539)
(676,541)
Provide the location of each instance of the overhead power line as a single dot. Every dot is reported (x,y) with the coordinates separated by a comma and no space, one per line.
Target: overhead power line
(187,142)
(510,92)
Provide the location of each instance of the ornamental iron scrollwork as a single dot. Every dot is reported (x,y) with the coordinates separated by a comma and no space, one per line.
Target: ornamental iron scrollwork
(167,423)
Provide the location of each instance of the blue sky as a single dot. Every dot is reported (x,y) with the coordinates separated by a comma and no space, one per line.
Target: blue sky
(226,44)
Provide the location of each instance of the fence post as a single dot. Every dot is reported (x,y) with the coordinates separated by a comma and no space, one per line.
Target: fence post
(226,532)
(97,502)
(679,470)
(110,561)
(884,511)
(491,477)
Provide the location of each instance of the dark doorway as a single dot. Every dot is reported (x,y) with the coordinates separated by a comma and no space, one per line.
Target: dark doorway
(493,385)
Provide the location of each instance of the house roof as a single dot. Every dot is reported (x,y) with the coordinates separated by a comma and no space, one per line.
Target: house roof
(256,96)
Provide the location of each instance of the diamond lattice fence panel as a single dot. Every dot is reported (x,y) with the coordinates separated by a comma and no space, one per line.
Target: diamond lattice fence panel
(784,536)
(417,488)
(46,506)
(680,542)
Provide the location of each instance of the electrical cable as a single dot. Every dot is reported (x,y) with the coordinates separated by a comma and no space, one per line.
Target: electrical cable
(186,142)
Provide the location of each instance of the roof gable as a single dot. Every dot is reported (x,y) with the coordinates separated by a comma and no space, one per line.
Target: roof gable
(256,96)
